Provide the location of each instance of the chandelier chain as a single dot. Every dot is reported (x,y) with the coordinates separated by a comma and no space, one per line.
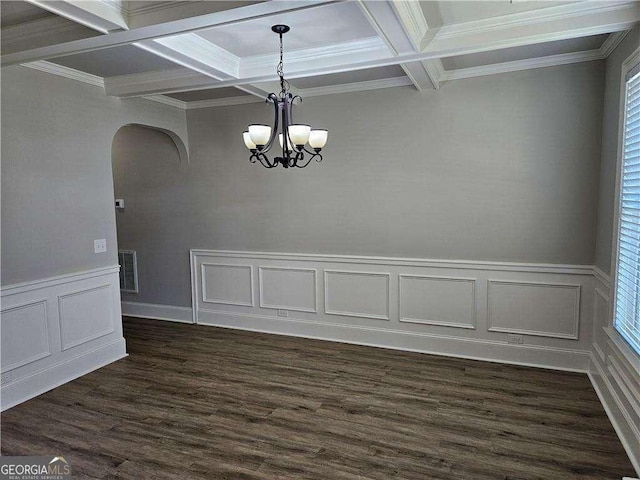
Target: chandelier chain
(284,85)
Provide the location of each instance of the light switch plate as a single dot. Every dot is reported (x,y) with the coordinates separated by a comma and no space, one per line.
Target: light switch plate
(100,245)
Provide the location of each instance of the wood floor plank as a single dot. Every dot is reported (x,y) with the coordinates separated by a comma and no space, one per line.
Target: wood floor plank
(195,402)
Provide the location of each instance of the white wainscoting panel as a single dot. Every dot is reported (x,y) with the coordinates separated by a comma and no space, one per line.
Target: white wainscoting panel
(227,284)
(543,309)
(25,321)
(56,329)
(600,314)
(356,294)
(615,371)
(432,306)
(85,315)
(289,288)
(447,301)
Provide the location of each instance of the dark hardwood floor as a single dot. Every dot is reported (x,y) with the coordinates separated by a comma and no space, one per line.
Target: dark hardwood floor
(196,402)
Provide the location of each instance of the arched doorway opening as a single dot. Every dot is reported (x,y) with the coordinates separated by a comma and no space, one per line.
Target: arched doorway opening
(149,179)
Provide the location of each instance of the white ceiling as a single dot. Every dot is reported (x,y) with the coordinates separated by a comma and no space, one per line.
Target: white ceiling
(111,62)
(366,75)
(218,52)
(328,24)
(460,11)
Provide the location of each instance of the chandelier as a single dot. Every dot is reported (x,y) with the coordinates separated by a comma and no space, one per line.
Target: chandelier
(260,138)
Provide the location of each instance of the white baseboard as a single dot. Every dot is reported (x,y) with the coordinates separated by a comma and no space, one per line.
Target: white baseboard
(157,312)
(58,374)
(458,347)
(628,434)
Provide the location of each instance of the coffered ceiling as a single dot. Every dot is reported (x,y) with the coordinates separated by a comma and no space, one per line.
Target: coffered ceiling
(194,54)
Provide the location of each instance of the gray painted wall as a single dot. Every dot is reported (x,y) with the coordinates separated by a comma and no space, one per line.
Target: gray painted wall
(501,168)
(610,138)
(57,188)
(155,221)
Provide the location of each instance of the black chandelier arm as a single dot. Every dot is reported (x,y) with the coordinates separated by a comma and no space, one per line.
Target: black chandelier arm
(262,158)
(314,154)
(274,131)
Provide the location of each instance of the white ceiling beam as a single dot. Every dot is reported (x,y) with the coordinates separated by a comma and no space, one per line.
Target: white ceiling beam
(555,23)
(402,26)
(428,73)
(100,15)
(187,25)
(194,52)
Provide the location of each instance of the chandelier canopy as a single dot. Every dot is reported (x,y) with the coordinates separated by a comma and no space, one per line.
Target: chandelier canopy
(260,138)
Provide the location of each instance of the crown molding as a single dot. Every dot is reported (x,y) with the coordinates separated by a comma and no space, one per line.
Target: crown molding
(356,86)
(528,64)
(306,92)
(224,102)
(165,100)
(66,72)
(612,41)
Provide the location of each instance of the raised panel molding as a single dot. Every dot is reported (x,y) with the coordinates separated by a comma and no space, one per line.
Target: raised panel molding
(525,311)
(441,307)
(85,315)
(288,295)
(362,295)
(29,320)
(238,287)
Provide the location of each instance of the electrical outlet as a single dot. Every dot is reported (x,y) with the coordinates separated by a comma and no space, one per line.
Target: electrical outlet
(5,378)
(515,338)
(283,313)
(100,245)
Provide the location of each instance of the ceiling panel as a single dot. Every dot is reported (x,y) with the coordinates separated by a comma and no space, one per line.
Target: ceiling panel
(328,24)
(448,12)
(524,52)
(209,94)
(368,74)
(111,62)
(14,13)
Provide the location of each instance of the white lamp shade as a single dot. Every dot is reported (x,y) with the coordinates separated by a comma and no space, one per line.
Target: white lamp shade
(318,138)
(299,134)
(260,134)
(289,144)
(247,141)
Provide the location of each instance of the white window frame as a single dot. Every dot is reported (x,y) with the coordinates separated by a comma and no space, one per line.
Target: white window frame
(616,339)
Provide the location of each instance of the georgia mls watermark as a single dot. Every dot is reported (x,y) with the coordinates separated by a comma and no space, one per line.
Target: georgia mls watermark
(34,468)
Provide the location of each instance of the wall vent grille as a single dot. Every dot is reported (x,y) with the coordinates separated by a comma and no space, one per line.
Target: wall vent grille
(128,271)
